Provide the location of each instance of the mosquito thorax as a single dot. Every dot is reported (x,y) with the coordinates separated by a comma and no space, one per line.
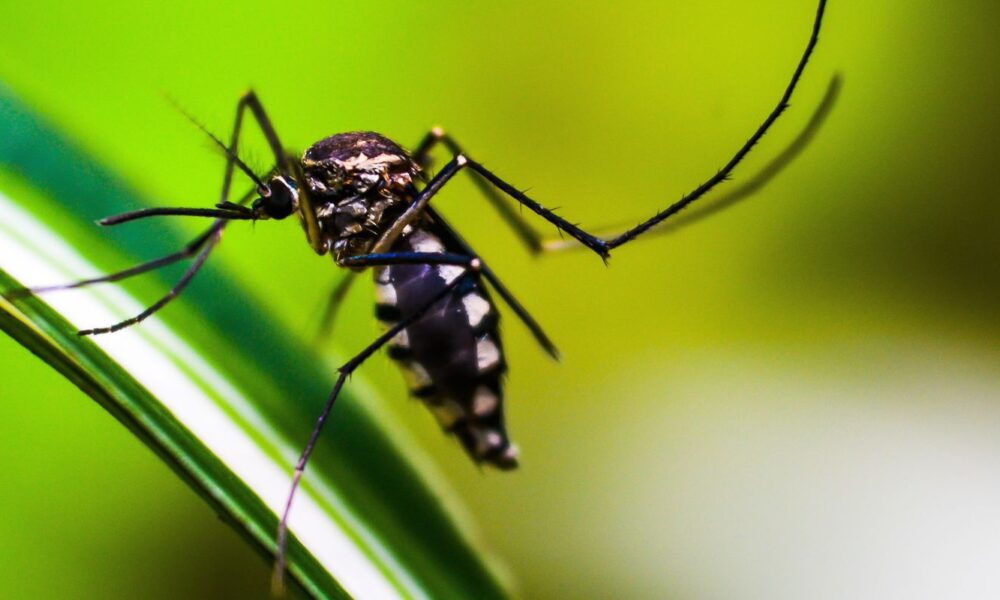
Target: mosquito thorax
(358,184)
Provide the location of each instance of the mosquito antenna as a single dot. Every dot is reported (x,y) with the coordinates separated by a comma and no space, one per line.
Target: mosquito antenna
(261,187)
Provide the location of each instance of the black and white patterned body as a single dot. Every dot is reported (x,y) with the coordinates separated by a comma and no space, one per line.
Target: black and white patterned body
(451,357)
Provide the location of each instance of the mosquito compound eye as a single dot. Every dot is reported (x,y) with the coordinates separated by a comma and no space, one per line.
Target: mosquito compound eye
(282,201)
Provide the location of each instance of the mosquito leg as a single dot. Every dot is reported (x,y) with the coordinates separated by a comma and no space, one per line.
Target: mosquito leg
(232,212)
(371,260)
(203,245)
(470,260)
(249,100)
(447,173)
(528,236)
(333,304)
(432,138)
(189,250)
(277,579)
(419,204)
(411,258)
(753,185)
(536,244)
(199,261)
(750,187)
(603,247)
(772,168)
(599,245)
(521,312)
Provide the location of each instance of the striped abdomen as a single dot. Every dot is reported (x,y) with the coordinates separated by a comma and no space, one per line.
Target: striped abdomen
(451,357)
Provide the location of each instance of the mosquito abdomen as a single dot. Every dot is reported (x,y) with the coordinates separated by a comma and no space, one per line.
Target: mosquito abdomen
(452,357)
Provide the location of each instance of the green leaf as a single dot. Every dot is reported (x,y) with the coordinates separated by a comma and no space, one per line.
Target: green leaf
(372,520)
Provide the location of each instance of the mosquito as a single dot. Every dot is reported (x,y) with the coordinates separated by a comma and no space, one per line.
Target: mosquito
(366,201)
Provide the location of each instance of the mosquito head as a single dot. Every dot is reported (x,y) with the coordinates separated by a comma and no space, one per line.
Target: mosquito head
(278,199)
(356,184)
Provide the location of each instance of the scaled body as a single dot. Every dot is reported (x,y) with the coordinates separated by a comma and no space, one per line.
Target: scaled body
(452,357)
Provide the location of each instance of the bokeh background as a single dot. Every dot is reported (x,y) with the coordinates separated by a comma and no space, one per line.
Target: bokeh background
(797,398)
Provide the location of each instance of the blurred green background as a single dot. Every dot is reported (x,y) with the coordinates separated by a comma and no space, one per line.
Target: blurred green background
(797,398)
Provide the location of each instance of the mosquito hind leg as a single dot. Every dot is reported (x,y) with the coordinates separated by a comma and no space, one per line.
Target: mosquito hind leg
(537,244)
(419,205)
(521,228)
(747,189)
(603,247)
(522,313)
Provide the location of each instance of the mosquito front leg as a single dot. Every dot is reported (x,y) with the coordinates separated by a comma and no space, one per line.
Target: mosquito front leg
(202,246)
(175,291)
(250,100)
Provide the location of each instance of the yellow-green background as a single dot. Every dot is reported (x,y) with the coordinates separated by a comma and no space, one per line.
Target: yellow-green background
(797,398)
